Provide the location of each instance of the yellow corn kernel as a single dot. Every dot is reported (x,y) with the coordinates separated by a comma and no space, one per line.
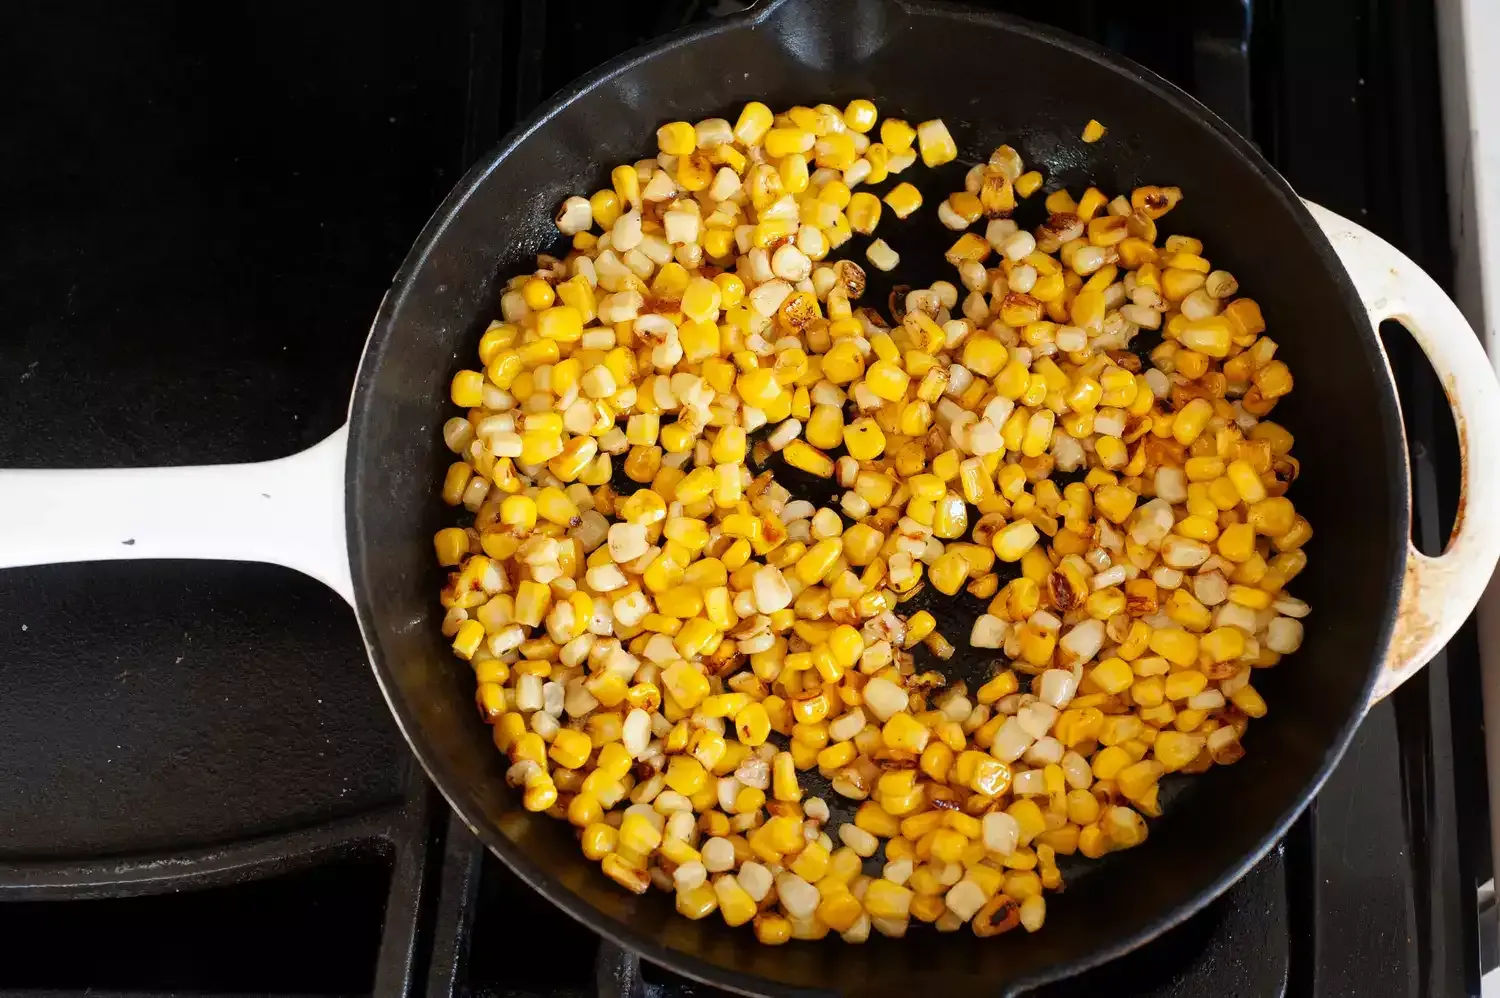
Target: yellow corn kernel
(859,115)
(936,145)
(896,135)
(752,725)
(1246,482)
(839,910)
(1113,675)
(467,389)
(735,904)
(1015,540)
(1176,646)
(903,199)
(887,380)
(599,840)
(781,142)
(864,213)
(864,439)
(570,749)
(685,683)
(905,733)
(754,121)
(800,454)
(452,544)
(948,572)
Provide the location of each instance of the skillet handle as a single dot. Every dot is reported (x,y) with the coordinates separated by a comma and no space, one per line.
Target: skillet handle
(1437,594)
(286,512)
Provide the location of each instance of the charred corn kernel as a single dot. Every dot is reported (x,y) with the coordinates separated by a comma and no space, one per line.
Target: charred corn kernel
(967,207)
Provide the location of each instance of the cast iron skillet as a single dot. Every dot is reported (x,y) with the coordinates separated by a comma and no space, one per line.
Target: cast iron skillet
(993,80)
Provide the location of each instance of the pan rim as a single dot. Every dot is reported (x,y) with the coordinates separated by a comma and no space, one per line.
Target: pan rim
(689,964)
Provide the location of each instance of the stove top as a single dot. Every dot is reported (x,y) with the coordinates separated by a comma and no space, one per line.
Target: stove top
(200,789)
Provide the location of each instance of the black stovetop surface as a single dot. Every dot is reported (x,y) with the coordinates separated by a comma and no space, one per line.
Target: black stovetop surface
(200,788)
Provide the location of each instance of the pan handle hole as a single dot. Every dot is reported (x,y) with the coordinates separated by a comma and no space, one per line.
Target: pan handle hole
(1431,440)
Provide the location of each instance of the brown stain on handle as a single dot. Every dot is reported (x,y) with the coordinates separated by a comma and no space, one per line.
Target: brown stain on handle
(1415,630)
(1463,458)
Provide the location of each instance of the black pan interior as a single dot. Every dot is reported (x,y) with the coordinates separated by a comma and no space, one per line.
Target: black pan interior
(993,80)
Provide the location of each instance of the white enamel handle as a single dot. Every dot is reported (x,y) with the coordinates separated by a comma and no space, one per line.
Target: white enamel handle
(286,512)
(1437,594)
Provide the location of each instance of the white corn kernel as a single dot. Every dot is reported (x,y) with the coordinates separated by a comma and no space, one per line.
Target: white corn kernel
(881,256)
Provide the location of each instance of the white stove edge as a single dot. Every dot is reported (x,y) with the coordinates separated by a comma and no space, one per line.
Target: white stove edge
(1468,40)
